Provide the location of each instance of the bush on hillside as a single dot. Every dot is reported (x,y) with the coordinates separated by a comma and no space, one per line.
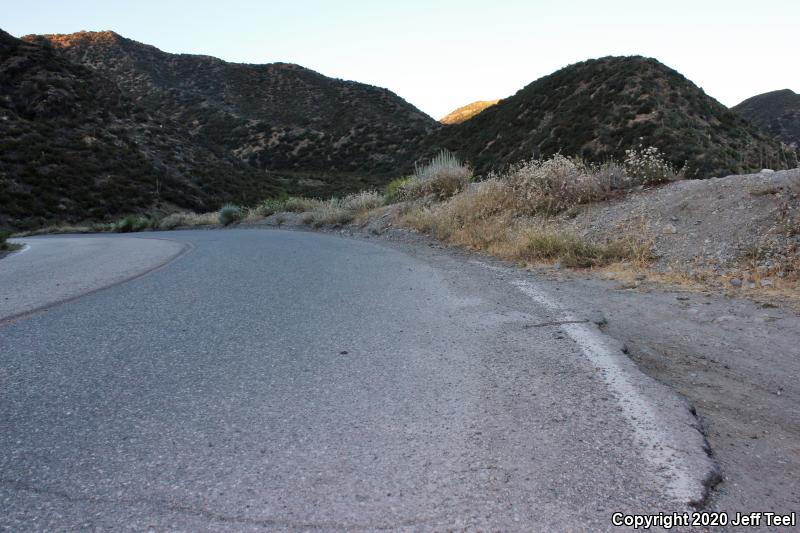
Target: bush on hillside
(444,176)
(132,223)
(553,185)
(395,189)
(362,201)
(229,214)
(4,245)
(648,166)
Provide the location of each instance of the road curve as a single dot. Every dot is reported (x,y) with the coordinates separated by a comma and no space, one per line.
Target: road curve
(53,269)
(299,381)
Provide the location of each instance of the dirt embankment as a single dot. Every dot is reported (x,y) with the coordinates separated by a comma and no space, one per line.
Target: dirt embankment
(740,232)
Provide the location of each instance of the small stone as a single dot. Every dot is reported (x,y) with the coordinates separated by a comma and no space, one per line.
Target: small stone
(640,277)
(736,282)
(669,229)
(343,352)
(673,218)
(766,283)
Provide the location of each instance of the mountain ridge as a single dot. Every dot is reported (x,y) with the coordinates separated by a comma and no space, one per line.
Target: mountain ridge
(164,131)
(466,112)
(600,108)
(95,125)
(777,112)
(271,113)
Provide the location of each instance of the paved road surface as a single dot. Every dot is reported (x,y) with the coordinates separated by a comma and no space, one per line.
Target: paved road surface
(54,269)
(298,381)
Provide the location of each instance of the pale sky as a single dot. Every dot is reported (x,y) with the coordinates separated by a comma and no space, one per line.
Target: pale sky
(442,55)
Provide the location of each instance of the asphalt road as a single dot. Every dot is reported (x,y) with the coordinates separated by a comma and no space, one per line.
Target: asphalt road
(54,269)
(298,381)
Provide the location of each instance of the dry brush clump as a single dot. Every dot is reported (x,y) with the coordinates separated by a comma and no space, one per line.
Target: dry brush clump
(334,210)
(362,201)
(188,219)
(441,178)
(553,185)
(521,240)
(648,166)
(508,215)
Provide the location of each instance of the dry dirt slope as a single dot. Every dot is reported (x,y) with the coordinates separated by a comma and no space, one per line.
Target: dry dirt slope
(743,228)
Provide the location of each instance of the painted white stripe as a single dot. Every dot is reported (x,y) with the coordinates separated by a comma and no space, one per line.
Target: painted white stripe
(670,442)
(659,446)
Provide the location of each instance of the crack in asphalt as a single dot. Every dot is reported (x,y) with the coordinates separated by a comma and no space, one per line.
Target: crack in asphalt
(21,486)
(555,323)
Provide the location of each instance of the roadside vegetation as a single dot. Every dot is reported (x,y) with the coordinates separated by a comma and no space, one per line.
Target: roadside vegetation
(6,246)
(507,214)
(540,211)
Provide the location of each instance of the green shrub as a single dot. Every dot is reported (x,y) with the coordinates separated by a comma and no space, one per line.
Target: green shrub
(569,250)
(395,189)
(268,207)
(229,214)
(298,204)
(132,223)
(4,245)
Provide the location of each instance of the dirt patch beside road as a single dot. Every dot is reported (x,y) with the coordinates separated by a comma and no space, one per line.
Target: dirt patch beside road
(738,232)
(735,360)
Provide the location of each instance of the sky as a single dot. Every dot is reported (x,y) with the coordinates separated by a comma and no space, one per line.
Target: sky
(440,55)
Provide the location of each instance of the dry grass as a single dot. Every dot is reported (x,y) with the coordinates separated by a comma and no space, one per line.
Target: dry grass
(554,185)
(296,204)
(55,230)
(190,219)
(479,219)
(496,217)
(362,201)
(441,178)
(335,210)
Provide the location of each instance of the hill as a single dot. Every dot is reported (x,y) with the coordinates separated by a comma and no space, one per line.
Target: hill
(601,107)
(777,112)
(467,112)
(276,117)
(71,147)
(94,125)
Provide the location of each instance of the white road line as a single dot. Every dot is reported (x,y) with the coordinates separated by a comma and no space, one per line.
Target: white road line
(671,443)
(25,247)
